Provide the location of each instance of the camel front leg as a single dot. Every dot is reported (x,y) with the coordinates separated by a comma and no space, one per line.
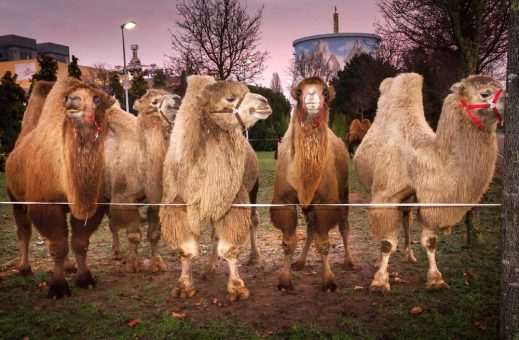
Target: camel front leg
(254,257)
(189,250)
(434,277)
(235,286)
(301,261)
(285,218)
(156,263)
(408,251)
(344,230)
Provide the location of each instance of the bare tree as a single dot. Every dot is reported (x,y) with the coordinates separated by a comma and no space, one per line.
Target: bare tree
(510,233)
(474,31)
(217,37)
(275,83)
(98,74)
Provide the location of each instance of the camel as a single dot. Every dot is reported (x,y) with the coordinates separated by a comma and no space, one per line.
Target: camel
(356,133)
(61,159)
(401,159)
(204,172)
(312,168)
(135,151)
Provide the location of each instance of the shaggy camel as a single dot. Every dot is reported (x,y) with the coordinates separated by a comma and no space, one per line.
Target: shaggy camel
(135,152)
(205,169)
(356,133)
(401,159)
(61,158)
(312,168)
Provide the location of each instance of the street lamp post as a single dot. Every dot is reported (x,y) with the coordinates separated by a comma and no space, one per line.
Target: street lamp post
(127,25)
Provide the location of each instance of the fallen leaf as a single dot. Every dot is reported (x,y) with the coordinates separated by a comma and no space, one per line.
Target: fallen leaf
(466,283)
(480,326)
(268,333)
(357,287)
(416,310)
(393,274)
(178,315)
(400,280)
(134,322)
(217,302)
(42,285)
(470,273)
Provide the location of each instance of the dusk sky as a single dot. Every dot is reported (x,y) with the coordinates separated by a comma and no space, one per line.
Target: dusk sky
(92,31)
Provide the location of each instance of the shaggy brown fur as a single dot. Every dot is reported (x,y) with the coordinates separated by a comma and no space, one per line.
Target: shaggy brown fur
(205,168)
(61,159)
(402,159)
(312,168)
(135,154)
(356,133)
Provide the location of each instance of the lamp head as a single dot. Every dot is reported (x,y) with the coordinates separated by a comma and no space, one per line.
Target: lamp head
(128,25)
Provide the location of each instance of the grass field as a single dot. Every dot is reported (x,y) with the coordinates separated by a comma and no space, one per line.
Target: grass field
(469,309)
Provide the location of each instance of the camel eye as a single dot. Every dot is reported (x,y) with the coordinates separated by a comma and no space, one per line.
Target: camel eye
(97,100)
(230,99)
(299,93)
(485,94)
(155,101)
(325,93)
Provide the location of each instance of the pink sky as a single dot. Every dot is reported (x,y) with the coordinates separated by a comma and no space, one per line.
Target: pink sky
(92,31)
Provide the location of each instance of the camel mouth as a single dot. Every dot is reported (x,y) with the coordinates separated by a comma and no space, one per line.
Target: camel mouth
(74,113)
(260,113)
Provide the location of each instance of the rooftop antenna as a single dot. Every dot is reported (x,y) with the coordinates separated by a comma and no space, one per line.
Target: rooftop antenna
(335,21)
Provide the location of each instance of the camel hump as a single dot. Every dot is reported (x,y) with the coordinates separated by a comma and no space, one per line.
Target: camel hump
(32,113)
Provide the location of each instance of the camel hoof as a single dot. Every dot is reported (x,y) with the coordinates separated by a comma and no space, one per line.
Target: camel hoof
(58,289)
(285,284)
(379,286)
(298,265)
(183,292)
(437,284)
(25,270)
(409,257)
(330,286)
(209,274)
(85,280)
(255,261)
(157,265)
(239,293)
(134,264)
(349,265)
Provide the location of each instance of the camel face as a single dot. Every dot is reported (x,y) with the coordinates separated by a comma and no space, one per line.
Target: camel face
(231,106)
(81,105)
(312,98)
(482,91)
(170,105)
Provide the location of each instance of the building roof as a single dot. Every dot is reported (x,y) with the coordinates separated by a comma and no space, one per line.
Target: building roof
(337,35)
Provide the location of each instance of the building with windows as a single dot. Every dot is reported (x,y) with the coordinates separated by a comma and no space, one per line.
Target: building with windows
(15,47)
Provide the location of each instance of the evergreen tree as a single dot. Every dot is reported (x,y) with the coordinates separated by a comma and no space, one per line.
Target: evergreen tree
(12,106)
(340,125)
(48,70)
(73,68)
(160,80)
(137,89)
(267,131)
(115,88)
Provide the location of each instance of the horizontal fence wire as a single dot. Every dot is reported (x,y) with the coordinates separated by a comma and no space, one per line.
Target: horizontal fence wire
(267,205)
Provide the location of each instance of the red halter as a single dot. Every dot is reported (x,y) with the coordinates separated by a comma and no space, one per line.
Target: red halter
(469,107)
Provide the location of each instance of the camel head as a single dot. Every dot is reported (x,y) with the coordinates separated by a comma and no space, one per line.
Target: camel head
(160,102)
(482,99)
(313,96)
(230,105)
(85,106)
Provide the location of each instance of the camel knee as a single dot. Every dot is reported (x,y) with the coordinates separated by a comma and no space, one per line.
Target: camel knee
(153,233)
(227,250)
(428,239)
(289,244)
(189,249)
(80,245)
(134,236)
(322,244)
(58,250)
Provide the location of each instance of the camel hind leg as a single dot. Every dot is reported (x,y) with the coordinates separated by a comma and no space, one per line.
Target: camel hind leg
(434,277)
(301,261)
(344,230)
(325,218)
(408,250)
(81,232)
(128,217)
(156,263)
(254,257)
(285,218)
(211,263)
(24,232)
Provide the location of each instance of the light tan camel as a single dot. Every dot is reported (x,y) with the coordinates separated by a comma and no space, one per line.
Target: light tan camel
(61,159)
(357,131)
(205,169)
(135,153)
(401,159)
(312,168)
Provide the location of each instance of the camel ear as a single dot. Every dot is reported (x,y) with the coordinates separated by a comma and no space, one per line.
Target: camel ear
(458,88)
(295,93)
(136,104)
(385,85)
(331,93)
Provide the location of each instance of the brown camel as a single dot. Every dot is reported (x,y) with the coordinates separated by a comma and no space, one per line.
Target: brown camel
(205,169)
(135,151)
(61,159)
(312,168)
(402,160)
(356,133)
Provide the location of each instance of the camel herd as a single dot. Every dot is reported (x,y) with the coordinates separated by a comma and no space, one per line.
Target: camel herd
(79,153)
